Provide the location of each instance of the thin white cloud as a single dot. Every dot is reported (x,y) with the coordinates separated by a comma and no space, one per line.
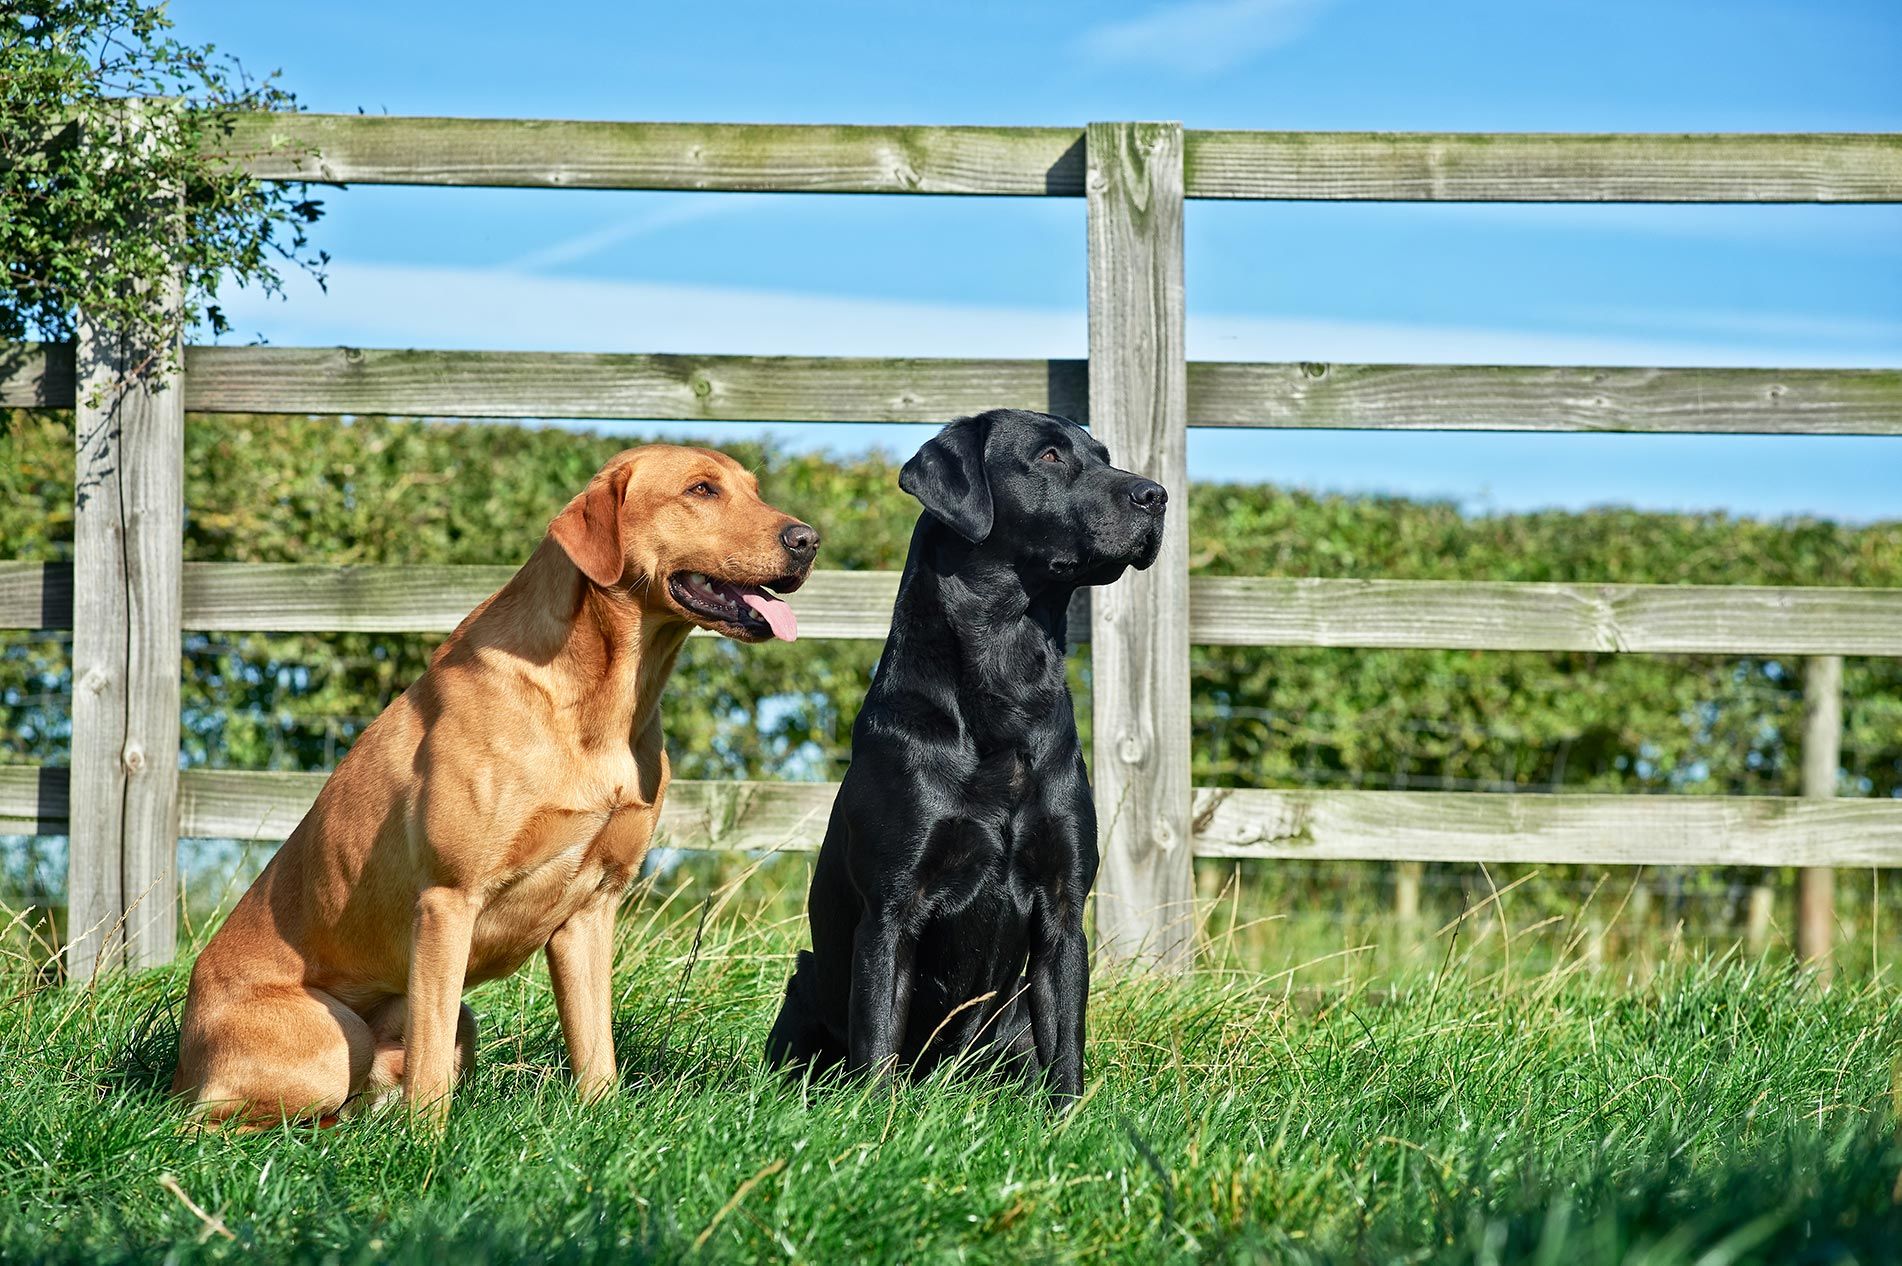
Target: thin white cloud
(1200,36)
(408,306)
(688,209)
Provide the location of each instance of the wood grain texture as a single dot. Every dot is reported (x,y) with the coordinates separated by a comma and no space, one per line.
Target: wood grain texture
(1541,398)
(36,595)
(589,385)
(1139,656)
(1610,830)
(128,533)
(802,158)
(399,598)
(1518,615)
(300,598)
(1545,167)
(1311,395)
(268,805)
(318,598)
(1223,610)
(563,154)
(36,376)
(725,816)
(33,800)
(1822,764)
(95,885)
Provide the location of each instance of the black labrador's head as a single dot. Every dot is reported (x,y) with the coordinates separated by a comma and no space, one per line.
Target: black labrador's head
(1038,491)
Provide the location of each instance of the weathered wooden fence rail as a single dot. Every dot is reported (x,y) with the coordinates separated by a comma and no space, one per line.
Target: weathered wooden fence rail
(1222,610)
(127,596)
(1438,826)
(1297,396)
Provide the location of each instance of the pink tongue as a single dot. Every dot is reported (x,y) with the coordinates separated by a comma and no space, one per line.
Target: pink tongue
(776,612)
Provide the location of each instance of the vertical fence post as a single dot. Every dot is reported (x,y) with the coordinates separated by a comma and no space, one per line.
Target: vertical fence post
(128,531)
(1139,647)
(1822,757)
(1406,891)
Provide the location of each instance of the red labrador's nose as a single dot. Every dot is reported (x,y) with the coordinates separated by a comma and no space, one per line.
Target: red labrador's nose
(800,540)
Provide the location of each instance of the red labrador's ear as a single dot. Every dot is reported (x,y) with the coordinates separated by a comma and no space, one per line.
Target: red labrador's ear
(590,528)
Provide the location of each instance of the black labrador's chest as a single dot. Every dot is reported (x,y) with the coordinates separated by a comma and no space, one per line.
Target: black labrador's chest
(997,842)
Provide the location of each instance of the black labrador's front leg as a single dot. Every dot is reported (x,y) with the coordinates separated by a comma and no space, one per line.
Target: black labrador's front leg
(881,991)
(1059,997)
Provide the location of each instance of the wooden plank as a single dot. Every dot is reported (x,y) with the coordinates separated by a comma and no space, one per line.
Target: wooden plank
(1609,830)
(268,805)
(1546,398)
(1223,610)
(1545,167)
(315,598)
(348,380)
(1139,657)
(724,816)
(128,533)
(397,598)
(33,800)
(312,598)
(245,804)
(1822,762)
(1612,830)
(318,598)
(36,595)
(804,158)
(562,154)
(1532,616)
(586,385)
(36,376)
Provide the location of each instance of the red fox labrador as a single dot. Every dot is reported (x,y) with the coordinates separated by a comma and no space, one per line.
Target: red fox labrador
(498,807)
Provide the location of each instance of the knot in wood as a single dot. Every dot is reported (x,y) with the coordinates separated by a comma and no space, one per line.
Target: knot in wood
(133,758)
(1129,749)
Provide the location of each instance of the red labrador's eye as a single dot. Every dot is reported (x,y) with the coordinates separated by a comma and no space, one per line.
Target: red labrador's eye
(1049,455)
(702,489)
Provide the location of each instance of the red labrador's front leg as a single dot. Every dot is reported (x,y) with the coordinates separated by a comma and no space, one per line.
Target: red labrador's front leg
(439,960)
(581,967)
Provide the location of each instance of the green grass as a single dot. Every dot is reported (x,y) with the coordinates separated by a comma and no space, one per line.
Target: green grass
(1443,1112)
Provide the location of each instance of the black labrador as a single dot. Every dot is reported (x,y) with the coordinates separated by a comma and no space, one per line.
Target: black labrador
(947,902)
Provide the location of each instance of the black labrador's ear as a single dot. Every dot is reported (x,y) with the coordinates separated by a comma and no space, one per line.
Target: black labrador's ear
(948,476)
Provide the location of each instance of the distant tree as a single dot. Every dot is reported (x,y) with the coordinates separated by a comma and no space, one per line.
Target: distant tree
(110,180)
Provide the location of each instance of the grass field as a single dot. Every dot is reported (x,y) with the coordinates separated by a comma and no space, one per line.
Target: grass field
(1442,1110)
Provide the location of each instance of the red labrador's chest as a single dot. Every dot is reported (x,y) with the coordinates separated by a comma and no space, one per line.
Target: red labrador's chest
(575,858)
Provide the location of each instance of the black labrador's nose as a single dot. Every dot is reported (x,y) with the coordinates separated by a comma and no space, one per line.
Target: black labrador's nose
(1149,496)
(800,540)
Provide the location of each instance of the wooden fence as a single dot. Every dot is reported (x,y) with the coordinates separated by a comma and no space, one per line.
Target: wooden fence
(127,594)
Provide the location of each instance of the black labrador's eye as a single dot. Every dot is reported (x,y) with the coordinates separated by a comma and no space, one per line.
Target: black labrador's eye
(703,489)
(1050,455)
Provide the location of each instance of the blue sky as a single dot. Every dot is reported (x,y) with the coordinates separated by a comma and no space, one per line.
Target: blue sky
(1778,286)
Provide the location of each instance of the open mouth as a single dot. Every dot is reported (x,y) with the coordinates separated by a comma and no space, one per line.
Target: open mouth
(748,612)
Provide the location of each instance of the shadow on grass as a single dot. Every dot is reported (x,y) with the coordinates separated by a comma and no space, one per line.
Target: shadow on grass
(141,1067)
